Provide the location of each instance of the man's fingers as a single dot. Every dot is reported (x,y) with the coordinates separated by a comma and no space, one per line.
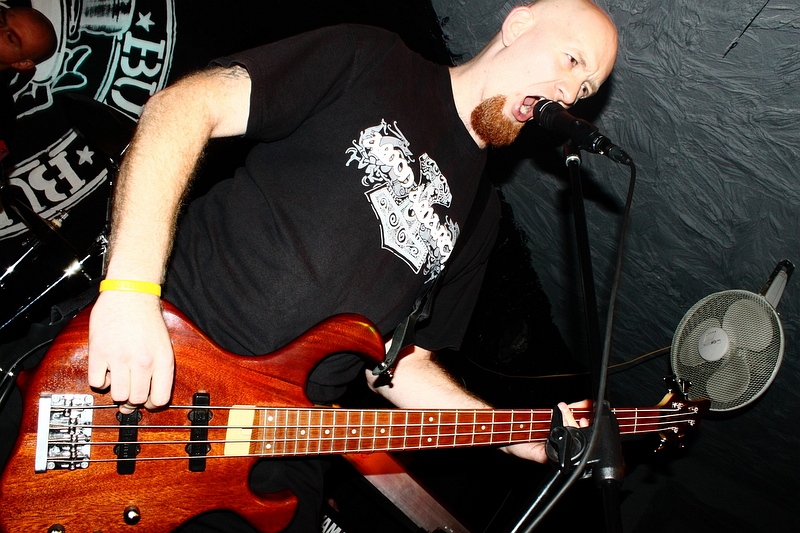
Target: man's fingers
(566,415)
(97,373)
(127,408)
(120,385)
(139,387)
(161,385)
(582,405)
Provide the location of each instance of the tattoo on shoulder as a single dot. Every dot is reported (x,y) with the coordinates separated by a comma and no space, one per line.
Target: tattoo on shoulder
(235,72)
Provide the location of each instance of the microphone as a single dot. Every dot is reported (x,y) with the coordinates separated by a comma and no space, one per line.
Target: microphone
(552,116)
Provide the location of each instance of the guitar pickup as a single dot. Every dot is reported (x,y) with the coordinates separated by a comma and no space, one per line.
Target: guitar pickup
(199,447)
(127,449)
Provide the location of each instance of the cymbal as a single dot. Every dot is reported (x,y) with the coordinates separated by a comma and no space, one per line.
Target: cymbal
(44,230)
(109,130)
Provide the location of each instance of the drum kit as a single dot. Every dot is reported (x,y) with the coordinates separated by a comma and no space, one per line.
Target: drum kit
(57,259)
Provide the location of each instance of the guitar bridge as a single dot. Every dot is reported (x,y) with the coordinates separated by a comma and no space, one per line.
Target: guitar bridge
(64,432)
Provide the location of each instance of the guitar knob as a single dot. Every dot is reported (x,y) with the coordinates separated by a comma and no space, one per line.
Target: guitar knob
(131,516)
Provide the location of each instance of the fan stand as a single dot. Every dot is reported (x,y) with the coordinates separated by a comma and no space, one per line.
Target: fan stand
(567,446)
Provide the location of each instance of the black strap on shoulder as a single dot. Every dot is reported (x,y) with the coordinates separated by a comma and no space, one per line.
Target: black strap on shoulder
(404,332)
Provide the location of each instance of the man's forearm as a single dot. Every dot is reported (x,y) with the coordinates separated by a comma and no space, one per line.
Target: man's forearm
(173,130)
(420,382)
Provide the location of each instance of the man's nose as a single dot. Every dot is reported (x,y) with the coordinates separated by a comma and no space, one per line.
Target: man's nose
(568,93)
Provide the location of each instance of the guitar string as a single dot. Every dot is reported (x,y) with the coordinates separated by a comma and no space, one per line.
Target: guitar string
(638,420)
(579,413)
(285,452)
(301,423)
(494,440)
(304,452)
(317,442)
(643,417)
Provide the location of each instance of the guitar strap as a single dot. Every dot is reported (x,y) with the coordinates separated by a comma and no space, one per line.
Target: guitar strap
(403,335)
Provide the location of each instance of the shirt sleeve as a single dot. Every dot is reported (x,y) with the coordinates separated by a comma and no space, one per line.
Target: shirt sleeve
(293,77)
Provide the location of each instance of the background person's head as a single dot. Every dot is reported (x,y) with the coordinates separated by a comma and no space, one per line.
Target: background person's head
(27,37)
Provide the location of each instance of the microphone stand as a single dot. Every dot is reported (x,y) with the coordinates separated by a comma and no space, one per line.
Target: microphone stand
(569,448)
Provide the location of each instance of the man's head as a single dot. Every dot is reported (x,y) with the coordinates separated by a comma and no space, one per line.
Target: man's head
(27,37)
(561,50)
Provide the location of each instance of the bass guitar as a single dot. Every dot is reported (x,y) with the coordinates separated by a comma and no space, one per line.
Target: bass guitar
(78,465)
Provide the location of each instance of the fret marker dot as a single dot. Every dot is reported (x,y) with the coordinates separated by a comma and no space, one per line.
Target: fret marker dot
(352,431)
(269,446)
(302,431)
(430,439)
(483,427)
(270,418)
(383,430)
(430,419)
(520,426)
(327,431)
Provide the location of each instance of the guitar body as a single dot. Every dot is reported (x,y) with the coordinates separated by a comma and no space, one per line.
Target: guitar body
(163,494)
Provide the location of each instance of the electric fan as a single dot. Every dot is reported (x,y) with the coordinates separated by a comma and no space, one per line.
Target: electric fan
(729,345)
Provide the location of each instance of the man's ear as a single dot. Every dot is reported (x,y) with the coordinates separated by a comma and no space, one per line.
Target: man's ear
(516,23)
(25,64)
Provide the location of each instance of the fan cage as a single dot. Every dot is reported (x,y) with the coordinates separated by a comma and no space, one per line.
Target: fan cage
(763,363)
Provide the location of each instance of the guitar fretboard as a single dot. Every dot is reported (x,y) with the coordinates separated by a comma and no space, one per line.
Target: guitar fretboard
(284,432)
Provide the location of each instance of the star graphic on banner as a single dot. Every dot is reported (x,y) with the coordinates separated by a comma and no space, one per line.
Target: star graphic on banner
(85,156)
(145,22)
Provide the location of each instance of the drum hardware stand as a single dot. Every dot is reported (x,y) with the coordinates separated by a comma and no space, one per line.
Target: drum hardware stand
(45,233)
(11,268)
(73,268)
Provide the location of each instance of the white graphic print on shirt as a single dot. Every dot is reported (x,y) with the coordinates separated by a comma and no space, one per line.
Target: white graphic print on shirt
(403,203)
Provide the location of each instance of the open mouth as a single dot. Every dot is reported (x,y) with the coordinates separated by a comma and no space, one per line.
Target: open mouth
(524,112)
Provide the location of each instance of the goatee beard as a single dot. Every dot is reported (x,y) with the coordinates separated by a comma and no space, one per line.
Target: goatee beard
(491,125)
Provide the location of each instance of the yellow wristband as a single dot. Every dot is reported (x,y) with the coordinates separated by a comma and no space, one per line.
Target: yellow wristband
(130,286)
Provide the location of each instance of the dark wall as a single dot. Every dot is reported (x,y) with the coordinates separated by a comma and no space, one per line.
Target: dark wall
(712,131)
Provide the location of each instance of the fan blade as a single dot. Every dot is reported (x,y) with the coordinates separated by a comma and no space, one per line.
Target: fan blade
(730,380)
(749,325)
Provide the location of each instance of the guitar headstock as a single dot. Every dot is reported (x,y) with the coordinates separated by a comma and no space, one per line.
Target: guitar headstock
(684,414)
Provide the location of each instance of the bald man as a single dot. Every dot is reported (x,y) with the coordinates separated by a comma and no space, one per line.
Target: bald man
(27,37)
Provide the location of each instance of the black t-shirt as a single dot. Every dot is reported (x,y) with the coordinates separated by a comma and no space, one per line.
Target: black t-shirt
(9,80)
(351,203)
